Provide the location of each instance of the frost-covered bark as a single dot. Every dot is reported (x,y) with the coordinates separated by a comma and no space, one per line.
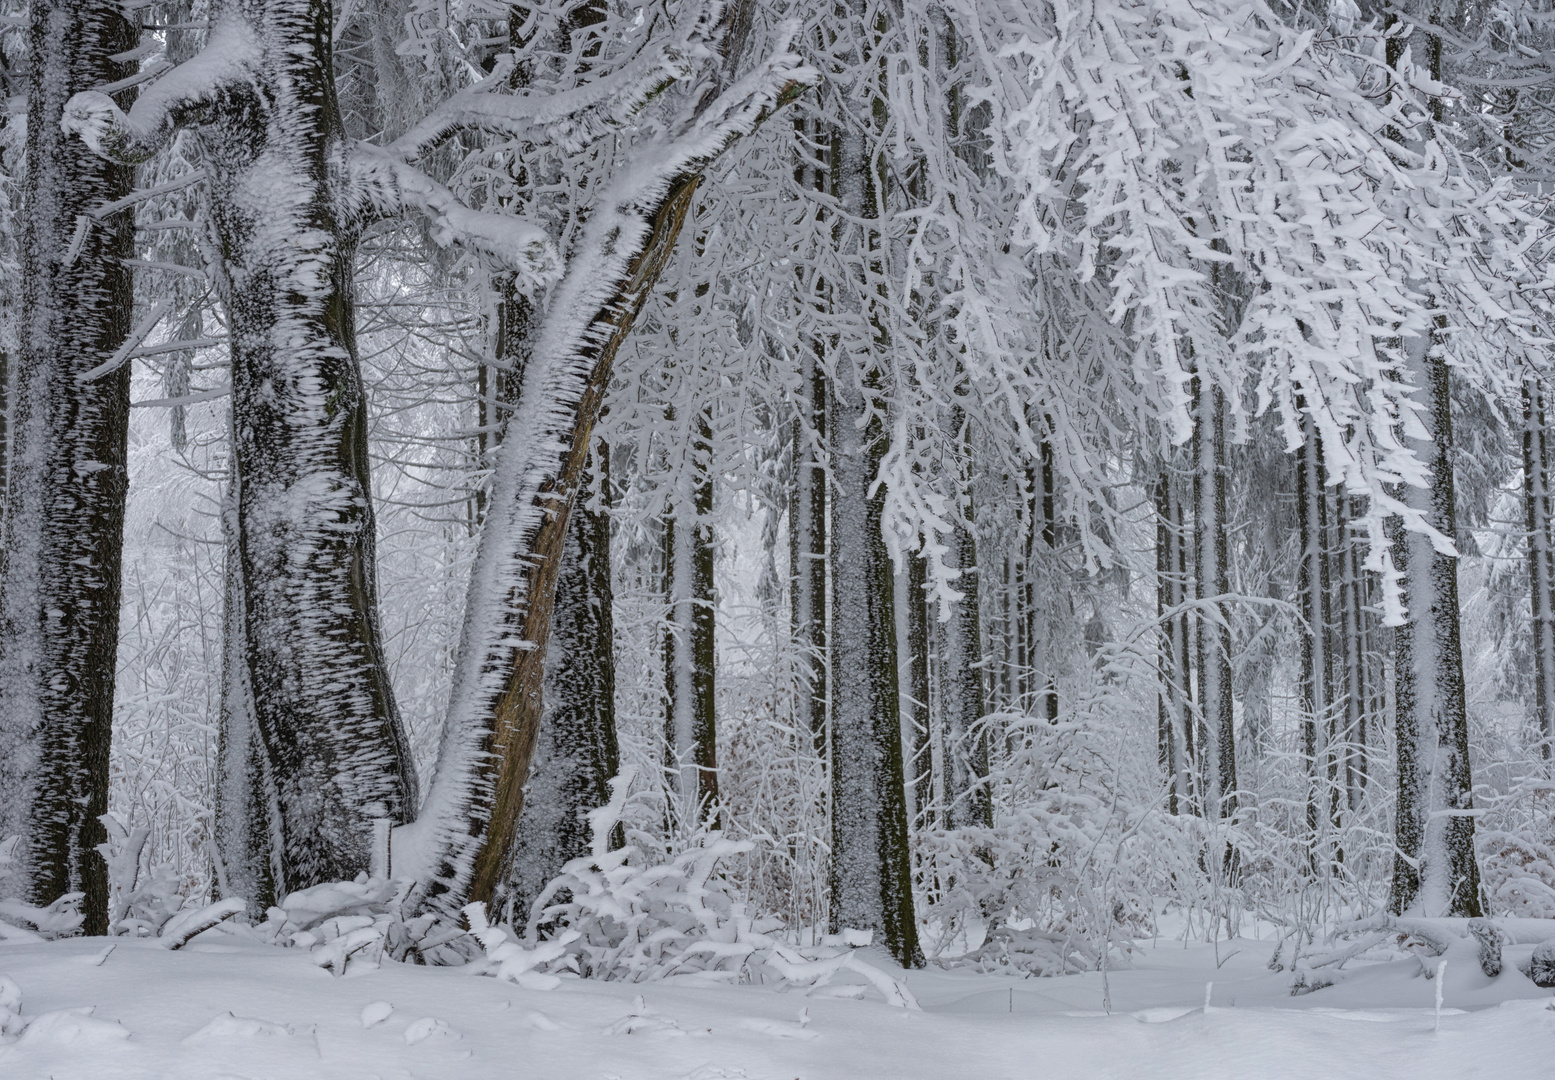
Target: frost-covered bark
(1313,589)
(1539,510)
(967,799)
(919,722)
(807,546)
(871,872)
(287,198)
(1214,584)
(690,734)
(1174,741)
(59,579)
(1434,817)
(458,848)
(576,753)
(247,820)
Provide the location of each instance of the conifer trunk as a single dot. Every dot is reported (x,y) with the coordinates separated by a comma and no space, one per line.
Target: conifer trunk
(60,575)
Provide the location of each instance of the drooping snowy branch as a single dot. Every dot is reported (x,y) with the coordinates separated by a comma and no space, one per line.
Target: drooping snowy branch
(171,102)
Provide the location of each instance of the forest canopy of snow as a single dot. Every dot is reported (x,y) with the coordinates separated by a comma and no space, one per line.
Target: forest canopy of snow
(781,493)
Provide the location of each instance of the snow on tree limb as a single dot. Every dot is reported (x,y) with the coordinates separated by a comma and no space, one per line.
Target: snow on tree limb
(227,59)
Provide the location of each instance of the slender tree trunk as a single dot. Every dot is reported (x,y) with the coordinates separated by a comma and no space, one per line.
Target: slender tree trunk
(1175,702)
(1313,588)
(807,549)
(920,764)
(1213,578)
(689,658)
(1539,508)
(1049,525)
(60,575)
(967,799)
(1448,881)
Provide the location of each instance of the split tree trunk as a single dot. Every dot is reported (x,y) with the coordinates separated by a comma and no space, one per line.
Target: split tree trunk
(60,575)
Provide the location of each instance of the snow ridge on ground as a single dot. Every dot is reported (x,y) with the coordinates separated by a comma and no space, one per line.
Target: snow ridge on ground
(245,1012)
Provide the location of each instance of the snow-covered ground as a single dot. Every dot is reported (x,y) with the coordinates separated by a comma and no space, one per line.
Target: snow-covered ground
(155,1013)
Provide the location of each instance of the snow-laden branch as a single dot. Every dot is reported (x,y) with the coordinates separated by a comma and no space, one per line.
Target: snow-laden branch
(228,59)
(570,119)
(390,186)
(457,845)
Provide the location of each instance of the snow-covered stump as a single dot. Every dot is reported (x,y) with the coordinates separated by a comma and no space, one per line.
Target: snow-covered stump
(59,581)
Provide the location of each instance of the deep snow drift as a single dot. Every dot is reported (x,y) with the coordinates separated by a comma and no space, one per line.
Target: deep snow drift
(145,1012)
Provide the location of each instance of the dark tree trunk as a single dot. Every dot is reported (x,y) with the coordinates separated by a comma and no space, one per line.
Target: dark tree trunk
(689,647)
(1540,509)
(1214,583)
(59,583)
(1175,742)
(807,549)
(1313,589)
(967,800)
(920,758)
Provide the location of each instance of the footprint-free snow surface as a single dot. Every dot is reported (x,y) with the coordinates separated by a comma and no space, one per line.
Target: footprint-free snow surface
(256,1013)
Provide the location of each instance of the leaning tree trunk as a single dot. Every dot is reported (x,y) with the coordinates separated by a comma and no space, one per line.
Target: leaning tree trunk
(689,656)
(458,848)
(576,753)
(59,579)
(1539,508)
(1447,880)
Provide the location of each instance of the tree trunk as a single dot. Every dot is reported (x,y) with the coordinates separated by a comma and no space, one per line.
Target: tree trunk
(1313,589)
(322,700)
(807,549)
(576,752)
(967,800)
(247,814)
(920,764)
(689,648)
(1448,880)
(1541,552)
(871,871)
(1214,582)
(59,583)
(1175,704)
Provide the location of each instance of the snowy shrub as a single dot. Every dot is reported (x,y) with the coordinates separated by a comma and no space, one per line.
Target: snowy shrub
(1062,875)
(140,903)
(1517,873)
(619,915)
(362,920)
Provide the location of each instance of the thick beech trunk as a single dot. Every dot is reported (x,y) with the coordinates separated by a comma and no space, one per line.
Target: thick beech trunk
(59,579)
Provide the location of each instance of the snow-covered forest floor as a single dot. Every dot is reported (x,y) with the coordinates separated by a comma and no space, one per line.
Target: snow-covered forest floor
(156,1013)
